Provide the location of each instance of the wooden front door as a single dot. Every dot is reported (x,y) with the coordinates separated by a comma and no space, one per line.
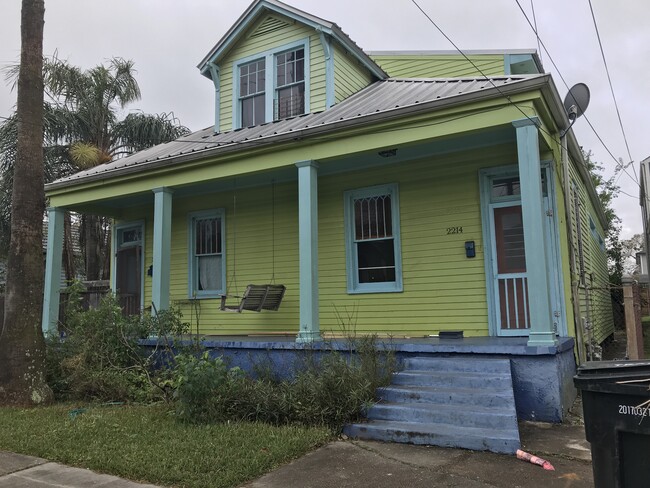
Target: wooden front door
(513,315)
(128,268)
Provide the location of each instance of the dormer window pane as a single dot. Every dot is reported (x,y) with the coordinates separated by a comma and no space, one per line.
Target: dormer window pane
(290,84)
(252,77)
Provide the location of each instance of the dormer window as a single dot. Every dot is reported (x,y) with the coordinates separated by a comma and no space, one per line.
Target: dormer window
(252,87)
(272,85)
(290,84)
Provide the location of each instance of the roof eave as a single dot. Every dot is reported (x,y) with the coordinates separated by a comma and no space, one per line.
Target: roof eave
(362,121)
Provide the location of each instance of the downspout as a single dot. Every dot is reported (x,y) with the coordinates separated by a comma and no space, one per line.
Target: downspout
(575,294)
(216,79)
(329,68)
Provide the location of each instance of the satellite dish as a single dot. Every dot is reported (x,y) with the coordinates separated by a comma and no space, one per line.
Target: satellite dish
(576,101)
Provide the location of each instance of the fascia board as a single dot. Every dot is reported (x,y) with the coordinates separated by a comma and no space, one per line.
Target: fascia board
(355,123)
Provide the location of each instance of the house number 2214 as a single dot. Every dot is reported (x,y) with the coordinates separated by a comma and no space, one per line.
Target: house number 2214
(454,230)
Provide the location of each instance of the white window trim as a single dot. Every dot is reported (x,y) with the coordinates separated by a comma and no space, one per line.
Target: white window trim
(269,88)
(192,286)
(351,250)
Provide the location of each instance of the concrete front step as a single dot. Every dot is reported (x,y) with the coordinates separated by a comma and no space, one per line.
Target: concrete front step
(445,395)
(458,379)
(461,416)
(478,439)
(468,364)
(450,402)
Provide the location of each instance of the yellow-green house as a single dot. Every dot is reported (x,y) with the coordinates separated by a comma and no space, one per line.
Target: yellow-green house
(395,193)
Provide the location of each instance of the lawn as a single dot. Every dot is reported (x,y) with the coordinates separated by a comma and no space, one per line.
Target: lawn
(145,443)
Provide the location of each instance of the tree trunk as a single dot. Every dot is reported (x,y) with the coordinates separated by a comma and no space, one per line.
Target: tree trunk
(22,348)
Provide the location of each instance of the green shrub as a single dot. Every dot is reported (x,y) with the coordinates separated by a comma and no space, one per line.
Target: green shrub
(205,388)
(100,357)
(330,390)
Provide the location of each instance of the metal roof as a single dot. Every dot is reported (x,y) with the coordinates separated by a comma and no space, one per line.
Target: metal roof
(381,101)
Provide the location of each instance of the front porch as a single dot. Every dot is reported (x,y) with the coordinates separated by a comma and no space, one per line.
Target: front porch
(542,376)
(295,225)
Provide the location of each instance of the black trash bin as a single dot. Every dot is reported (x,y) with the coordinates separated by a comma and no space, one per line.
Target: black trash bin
(616,404)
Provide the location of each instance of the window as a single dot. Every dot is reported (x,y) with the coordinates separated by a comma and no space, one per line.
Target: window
(272,85)
(595,234)
(289,84)
(206,254)
(372,240)
(252,98)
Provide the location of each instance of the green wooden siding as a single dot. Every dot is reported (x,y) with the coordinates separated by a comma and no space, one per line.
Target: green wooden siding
(269,33)
(349,75)
(440,65)
(442,288)
(595,298)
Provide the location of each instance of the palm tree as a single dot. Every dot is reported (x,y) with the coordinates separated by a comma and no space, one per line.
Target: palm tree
(22,348)
(83,129)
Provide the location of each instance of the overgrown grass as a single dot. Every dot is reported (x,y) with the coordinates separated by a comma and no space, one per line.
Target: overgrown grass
(146,443)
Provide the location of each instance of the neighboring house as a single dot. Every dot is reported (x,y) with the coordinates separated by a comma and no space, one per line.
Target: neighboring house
(399,194)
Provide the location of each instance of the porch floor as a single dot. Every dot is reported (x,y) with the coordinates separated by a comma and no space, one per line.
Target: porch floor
(508,346)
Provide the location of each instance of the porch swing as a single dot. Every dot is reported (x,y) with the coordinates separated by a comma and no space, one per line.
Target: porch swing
(256,297)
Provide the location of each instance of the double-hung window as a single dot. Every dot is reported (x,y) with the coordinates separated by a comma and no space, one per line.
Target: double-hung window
(289,84)
(373,240)
(206,254)
(252,88)
(272,85)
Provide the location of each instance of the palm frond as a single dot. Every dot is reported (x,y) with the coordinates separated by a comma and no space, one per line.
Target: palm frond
(139,131)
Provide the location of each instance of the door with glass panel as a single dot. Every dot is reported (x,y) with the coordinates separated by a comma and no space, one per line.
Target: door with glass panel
(508,263)
(128,268)
(511,280)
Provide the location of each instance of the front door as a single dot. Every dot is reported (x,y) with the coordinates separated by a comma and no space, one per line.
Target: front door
(128,268)
(510,262)
(506,258)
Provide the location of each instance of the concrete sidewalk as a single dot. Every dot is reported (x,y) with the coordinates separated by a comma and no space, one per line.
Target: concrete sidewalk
(360,464)
(357,464)
(18,471)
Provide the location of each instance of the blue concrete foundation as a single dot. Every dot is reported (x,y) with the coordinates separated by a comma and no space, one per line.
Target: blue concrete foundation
(542,375)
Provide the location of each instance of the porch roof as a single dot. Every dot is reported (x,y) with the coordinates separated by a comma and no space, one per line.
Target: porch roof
(381,101)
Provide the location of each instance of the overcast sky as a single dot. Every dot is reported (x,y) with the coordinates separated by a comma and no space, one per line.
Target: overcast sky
(168,38)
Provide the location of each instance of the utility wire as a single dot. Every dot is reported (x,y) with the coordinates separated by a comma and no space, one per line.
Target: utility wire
(609,80)
(486,77)
(600,139)
(539,49)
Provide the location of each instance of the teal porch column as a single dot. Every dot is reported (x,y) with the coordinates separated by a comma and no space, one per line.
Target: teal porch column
(308,250)
(51,292)
(532,209)
(162,236)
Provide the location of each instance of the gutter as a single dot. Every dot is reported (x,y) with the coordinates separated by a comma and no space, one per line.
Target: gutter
(362,121)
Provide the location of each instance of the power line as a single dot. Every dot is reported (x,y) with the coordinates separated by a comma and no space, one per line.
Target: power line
(539,49)
(600,139)
(486,77)
(611,86)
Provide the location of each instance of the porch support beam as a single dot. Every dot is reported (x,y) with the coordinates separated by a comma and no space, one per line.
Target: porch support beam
(532,208)
(308,250)
(162,235)
(52,290)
